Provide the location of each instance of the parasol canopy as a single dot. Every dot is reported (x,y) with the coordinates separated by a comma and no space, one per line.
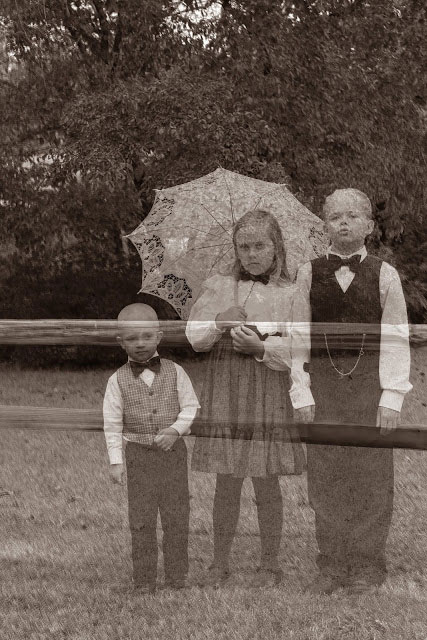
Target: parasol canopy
(187,235)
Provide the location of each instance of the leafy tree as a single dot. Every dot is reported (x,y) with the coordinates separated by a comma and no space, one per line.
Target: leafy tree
(122,97)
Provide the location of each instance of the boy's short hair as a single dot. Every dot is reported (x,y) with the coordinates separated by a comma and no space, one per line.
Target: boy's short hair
(350,197)
(136,315)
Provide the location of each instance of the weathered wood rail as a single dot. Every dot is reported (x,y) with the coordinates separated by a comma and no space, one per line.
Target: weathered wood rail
(58,419)
(104,332)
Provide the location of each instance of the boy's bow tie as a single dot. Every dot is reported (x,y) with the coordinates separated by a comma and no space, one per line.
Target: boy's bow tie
(138,367)
(336,262)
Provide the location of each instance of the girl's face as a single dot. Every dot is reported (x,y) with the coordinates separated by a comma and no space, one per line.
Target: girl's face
(255,249)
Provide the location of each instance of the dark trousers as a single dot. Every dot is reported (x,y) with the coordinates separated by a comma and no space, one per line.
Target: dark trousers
(226,512)
(351,492)
(158,481)
(349,488)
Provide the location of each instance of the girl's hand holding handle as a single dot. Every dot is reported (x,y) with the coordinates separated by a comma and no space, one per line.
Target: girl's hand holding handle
(234,316)
(246,341)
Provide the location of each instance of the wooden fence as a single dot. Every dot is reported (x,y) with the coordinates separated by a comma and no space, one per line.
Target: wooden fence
(58,419)
(104,332)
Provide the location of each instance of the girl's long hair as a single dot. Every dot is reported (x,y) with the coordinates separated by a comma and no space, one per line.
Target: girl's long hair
(259,217)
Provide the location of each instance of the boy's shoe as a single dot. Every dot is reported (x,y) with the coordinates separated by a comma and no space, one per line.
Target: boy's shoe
(267,577)
(365,580)
(327,582)
(216,576)
(144,588)
(180,583)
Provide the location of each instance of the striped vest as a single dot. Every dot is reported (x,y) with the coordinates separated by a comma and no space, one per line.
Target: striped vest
(147,410)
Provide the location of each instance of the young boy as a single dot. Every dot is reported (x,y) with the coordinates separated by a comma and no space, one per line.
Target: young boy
(150,402)
(354,379)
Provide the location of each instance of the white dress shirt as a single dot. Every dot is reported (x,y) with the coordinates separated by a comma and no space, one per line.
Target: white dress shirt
(113,410)
(268,307)
(394,365)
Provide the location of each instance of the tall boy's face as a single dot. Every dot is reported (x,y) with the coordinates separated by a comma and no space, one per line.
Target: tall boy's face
(348,226)
(140,343)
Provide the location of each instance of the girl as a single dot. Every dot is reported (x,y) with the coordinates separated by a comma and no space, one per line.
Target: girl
(242,319)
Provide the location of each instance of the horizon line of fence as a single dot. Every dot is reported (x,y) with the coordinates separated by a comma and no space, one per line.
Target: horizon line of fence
(405,436)
(105,332)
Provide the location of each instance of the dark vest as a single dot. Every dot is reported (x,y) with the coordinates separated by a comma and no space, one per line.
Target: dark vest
(360,303)
(147,410)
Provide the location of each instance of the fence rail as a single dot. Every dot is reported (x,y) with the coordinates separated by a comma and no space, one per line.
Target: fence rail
(104,332)
(57,419)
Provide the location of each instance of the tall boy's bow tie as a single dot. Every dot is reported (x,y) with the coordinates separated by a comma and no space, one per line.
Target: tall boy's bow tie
(336,262)
(245,275)
(138,367)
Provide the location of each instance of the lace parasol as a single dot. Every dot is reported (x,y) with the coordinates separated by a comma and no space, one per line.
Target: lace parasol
(187,235)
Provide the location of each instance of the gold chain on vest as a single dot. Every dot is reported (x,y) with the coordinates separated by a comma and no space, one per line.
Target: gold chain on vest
(342,373)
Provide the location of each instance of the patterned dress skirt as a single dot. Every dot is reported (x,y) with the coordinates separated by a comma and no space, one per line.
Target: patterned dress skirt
(245,426)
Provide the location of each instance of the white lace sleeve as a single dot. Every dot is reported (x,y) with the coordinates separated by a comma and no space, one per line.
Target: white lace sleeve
(395,357)
(201,330)
(277,353)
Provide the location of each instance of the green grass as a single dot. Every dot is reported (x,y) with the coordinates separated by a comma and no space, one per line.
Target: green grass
(65,552)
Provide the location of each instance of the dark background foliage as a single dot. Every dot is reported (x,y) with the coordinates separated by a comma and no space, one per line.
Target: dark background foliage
(118,98)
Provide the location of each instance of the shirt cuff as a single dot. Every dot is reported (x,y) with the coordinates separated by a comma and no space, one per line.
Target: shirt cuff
(301,397)
(265,358)
(204,336)
(392,399)
(277,352)
(182,428)
(116,456)
(184,421)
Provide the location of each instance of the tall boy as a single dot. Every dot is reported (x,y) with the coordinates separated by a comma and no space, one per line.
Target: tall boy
(150,402)
(361,381)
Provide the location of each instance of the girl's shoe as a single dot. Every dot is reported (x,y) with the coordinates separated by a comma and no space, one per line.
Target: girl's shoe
(327,582)
(216,576)
(180,583)
(144,588)
(364,580)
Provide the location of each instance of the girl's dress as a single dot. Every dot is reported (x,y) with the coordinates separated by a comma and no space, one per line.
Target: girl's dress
(245,427)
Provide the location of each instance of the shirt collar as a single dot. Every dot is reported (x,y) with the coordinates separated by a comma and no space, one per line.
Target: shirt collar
(362,252)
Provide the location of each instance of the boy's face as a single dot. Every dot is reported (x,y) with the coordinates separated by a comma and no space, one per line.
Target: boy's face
(348,225)
(140,343)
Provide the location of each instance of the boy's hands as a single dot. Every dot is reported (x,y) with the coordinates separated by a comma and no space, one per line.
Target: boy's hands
(305,414)
(235,315)
(246,341)
(166,438)
(116,473)
(387,419)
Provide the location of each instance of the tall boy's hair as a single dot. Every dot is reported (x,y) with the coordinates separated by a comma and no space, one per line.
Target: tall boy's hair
(279,272)
(350,194)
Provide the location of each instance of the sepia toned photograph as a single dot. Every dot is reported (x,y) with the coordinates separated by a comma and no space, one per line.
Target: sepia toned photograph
(213,327)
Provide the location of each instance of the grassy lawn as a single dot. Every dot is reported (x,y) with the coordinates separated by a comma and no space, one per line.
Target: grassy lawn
(65,552)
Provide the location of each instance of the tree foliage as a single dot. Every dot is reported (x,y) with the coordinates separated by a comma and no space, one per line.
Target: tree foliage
(124,97)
